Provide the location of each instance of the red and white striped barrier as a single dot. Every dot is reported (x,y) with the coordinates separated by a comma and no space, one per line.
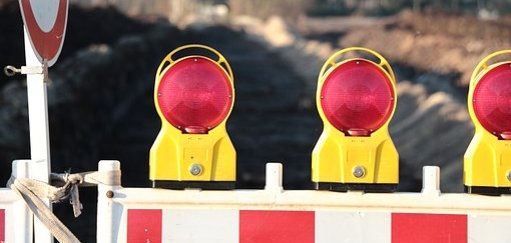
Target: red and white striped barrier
(15,219)
(262,226)
(275,215)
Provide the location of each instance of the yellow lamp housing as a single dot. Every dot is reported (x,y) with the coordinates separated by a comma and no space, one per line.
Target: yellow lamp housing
(487,161)
(194,96)
(356,99)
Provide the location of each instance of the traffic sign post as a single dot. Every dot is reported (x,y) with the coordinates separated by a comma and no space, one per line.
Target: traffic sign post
(45,25)
(39,133)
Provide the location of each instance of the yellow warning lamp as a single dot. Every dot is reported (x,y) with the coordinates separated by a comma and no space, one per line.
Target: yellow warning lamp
(487,161)
(194,96)
(356,99)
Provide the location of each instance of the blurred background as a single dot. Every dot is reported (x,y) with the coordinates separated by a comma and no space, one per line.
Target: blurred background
(100,94)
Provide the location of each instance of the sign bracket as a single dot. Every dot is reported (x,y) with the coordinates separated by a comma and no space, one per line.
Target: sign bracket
(43,69)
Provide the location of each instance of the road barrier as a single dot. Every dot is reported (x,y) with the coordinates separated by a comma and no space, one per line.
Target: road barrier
(278,215)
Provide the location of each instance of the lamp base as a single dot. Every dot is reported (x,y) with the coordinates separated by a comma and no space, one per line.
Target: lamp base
(343,187)
(487,190)
(204,185)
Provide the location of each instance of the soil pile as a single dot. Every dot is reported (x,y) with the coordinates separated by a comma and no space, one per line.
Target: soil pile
(438,42)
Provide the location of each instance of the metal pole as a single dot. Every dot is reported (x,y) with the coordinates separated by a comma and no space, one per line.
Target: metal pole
(39,134)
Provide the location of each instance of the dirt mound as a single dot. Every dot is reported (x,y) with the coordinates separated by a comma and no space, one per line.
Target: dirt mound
(434,42)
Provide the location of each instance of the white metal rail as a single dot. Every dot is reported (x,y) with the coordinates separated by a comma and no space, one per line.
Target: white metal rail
(195,215)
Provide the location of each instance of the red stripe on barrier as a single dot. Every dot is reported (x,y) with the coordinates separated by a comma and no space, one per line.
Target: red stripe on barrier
(2,225)
(427,228)
(276,226)
(144,225)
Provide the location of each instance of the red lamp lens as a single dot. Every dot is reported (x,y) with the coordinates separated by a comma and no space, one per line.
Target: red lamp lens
(195,95)
(357,97)
(492,101)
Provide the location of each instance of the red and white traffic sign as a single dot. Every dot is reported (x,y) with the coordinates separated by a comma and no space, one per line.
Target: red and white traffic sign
(45,23)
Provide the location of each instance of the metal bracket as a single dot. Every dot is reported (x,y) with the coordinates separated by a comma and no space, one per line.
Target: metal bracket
(43,69)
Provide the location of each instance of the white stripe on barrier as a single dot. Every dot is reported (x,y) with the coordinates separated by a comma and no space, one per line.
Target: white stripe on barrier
(200,226)
(488,228)
(352,227)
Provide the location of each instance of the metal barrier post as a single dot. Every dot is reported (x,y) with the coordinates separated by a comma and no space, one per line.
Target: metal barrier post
(106,230)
